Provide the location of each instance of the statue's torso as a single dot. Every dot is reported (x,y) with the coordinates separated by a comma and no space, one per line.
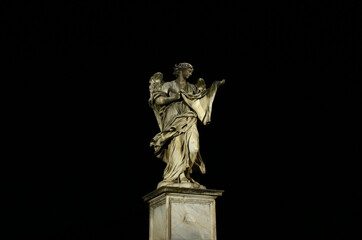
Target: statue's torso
(177,108)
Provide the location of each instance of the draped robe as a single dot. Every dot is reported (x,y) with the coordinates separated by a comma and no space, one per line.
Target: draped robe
(177,120)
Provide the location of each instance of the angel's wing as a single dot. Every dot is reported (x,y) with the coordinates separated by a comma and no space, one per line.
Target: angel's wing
(200,84)
(157,77)
(156,82)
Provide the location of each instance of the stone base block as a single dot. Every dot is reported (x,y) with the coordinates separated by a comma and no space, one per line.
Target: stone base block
(182,213)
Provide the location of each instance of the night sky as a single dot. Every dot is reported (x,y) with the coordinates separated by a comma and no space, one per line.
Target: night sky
(284,142)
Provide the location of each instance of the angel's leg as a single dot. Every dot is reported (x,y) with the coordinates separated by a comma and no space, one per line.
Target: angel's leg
(194,149)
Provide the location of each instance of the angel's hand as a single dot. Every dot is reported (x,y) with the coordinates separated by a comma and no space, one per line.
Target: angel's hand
(222,82)
(177,96)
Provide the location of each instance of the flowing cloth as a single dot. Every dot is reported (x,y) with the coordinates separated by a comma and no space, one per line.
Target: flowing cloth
(202,102)
(178,124)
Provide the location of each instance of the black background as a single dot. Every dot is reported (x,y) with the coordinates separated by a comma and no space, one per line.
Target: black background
(284,142)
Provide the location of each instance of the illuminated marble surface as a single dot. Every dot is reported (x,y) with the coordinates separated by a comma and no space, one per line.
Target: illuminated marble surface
(182,214)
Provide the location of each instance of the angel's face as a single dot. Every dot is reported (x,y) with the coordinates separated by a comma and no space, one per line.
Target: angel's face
(187,73)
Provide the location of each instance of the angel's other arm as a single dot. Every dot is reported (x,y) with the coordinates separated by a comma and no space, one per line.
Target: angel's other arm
(168,96)
(163,100)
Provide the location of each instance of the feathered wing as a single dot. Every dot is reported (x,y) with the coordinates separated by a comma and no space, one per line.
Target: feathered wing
(200,84)
(156,82)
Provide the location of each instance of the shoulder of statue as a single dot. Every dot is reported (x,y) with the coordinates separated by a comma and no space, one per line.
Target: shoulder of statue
(166,86)
(189,84)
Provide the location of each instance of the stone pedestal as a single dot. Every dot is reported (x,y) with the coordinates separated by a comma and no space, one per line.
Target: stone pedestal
(182,213)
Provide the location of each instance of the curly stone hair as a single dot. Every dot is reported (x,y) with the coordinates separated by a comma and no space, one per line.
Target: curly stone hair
(181,66)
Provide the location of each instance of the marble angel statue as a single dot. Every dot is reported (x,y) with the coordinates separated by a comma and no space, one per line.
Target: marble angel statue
(178,105)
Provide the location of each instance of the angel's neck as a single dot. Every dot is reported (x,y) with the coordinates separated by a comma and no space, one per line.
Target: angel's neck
(181,80)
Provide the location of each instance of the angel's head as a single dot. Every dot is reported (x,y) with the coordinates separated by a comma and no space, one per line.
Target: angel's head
(186,68)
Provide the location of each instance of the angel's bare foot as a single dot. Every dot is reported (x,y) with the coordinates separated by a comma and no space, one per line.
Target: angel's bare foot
(190,178)
(183,178)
